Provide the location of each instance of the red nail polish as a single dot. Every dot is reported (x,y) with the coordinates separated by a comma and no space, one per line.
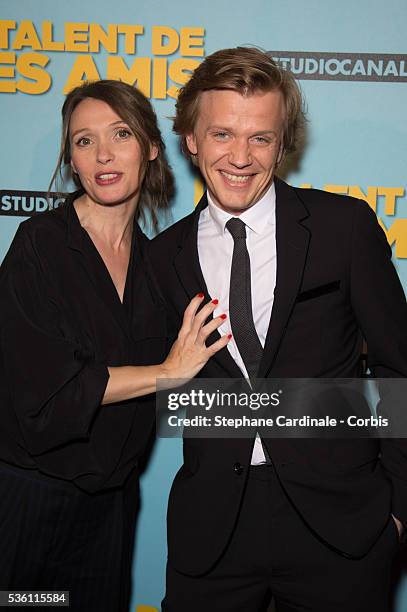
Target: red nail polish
(200,295)
(215,301)
(230,336)
(223,316)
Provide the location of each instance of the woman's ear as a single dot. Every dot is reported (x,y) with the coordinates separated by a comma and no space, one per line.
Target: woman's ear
(153,152)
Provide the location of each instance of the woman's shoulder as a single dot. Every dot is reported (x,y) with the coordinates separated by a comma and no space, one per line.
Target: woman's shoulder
(55,218)
(43,234)
(48,227)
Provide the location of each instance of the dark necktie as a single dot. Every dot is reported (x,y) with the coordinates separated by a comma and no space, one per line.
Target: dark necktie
(240,301)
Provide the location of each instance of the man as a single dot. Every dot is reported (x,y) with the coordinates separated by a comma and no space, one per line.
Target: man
(306,521)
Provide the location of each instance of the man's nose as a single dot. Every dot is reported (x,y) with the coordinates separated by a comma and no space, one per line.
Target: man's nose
(240,154)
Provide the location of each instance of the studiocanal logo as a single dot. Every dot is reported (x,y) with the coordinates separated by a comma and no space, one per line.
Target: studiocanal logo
(27,203)
(334,66)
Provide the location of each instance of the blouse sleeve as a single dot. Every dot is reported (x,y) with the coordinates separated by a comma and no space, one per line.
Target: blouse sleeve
(55,385)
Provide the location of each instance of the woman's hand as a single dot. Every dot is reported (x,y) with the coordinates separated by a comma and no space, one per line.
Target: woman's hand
(187,356)
(189,352)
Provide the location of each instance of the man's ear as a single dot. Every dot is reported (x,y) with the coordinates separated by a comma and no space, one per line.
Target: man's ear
(153,152)
(281,154)
(191,144)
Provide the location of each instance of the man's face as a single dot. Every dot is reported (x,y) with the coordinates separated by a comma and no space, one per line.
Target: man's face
(237,140)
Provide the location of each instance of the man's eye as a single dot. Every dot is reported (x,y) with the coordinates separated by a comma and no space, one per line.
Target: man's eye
(261,140)
(220,135)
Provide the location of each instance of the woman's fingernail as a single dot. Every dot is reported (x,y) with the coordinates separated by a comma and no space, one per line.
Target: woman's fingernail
(215,301)
(200,295)
(230,336)
(223,316)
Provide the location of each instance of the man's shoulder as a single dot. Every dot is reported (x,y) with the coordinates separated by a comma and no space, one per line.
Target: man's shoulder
(319,199)
(173,234)
(331,208)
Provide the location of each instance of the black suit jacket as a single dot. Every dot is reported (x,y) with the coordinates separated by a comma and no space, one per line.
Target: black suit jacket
(335,284)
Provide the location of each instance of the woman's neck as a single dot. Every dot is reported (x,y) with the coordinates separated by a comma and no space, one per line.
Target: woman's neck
(112,224)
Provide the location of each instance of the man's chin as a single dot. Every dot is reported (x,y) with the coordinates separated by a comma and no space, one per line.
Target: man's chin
(233,208)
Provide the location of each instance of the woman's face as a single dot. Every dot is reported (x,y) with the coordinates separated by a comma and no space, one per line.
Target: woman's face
(105,154)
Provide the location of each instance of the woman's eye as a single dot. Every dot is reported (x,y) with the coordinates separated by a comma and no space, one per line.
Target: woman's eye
(83,141)
(123,133)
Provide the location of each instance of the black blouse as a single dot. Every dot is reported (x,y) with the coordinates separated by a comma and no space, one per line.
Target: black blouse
(61,324)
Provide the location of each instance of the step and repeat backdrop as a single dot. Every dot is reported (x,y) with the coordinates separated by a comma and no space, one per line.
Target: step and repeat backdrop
(350,59)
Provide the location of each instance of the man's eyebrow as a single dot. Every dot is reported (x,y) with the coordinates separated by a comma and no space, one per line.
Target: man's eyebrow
(261,132)
(219,127)
(226,129)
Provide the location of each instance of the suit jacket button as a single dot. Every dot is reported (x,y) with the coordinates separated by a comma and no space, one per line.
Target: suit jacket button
(238,469)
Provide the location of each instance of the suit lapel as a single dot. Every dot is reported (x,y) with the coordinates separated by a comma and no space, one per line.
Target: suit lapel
(190,275)
(292,239)
(186,262)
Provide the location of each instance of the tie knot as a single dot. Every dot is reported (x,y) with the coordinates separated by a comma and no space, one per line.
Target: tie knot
(237,228)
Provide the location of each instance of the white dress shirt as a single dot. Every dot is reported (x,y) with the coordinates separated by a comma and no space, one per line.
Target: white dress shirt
(215,250)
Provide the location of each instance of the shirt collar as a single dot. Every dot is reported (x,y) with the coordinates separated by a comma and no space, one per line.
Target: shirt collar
(257,217)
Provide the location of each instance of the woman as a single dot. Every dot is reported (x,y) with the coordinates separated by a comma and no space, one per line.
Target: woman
(80,324)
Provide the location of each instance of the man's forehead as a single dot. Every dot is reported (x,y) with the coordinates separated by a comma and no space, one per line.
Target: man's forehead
(229,104)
